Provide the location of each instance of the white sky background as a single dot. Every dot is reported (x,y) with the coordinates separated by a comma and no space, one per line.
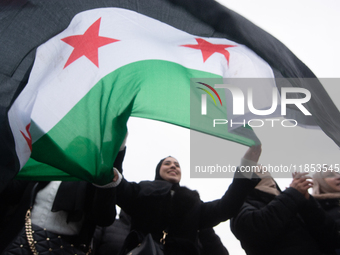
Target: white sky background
(310,28)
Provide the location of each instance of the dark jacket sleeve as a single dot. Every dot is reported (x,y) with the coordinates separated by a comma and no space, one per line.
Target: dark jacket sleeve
(267,222)
(14,202)
(127,193)
(104,206)
(212,213)
(119,160)
(14,191)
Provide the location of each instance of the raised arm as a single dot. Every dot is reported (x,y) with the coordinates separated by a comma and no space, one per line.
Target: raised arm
(245,179)
(258,220)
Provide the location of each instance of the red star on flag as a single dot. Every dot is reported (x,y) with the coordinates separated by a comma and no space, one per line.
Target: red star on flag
(208,48)
(87,44)
(28,138)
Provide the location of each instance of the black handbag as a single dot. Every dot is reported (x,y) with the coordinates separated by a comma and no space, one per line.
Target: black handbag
(37,240)
(147,247)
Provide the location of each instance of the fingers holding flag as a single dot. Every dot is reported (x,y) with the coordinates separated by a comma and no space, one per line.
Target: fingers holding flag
(301,182)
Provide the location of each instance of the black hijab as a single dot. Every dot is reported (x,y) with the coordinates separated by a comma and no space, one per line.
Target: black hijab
(158,167)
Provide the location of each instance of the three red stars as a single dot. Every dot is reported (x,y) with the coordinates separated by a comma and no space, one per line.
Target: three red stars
(87,44)
(208,48)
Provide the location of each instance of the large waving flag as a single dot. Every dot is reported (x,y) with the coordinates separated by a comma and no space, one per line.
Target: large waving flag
(98,62)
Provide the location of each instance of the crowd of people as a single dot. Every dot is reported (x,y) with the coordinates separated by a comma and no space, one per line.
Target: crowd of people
(80,217)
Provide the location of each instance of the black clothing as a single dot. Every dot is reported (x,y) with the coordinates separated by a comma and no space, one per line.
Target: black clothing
(332,208)
(109,240)
(80,199)
(286,224)
(158,205)
(211,243)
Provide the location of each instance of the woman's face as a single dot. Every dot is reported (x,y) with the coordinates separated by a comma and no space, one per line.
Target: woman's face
(170,170)
(333,180)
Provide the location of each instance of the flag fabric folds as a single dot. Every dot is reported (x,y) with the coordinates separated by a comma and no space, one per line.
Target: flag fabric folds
(69,86)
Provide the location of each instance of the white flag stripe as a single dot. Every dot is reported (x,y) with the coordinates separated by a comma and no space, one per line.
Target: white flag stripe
(140,38)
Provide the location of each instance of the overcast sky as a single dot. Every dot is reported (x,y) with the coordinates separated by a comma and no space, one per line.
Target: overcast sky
(310,29)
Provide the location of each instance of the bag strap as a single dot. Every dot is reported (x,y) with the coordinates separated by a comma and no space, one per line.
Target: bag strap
(162,240)
(29,232)
(28,222)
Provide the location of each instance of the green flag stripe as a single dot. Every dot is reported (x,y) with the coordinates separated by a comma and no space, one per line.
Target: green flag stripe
(86,141)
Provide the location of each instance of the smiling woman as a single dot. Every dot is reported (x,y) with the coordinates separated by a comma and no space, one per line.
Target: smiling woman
(169,170)
(295,24)
(175,214)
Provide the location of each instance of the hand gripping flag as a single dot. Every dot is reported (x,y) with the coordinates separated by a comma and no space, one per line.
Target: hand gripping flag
(69,86)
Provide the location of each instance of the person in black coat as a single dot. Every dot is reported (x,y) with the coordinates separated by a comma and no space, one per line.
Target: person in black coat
(84,204)
(326,190)
(272,222)
(164,205)
(109,240)
(71,209)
